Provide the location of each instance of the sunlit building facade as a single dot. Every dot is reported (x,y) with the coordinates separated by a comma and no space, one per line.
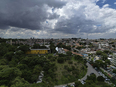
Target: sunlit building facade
(114,59)
(38,51)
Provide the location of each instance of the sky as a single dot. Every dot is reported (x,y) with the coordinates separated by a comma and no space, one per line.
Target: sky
(58,18)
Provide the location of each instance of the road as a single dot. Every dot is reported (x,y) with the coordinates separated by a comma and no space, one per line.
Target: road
(90,70)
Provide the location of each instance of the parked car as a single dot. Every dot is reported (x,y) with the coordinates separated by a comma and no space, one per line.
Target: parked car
(83,81)
(107,79)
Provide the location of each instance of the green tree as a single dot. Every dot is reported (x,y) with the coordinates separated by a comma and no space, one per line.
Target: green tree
(3,62)
(107,51)
(3,51)
(22,67)
(27,74)
(52,47)
(69,53)
(9,56)
(20,82)
(114,70)
(89,82)
(78,57)
(36,46)
(60,60)
(100,79)
(37,69)
(92,77)
(50,56)
(107,61)
(99,52)
(100,63)
(104,56)
(77,84)
(8,74)
(24,48)
(113,45)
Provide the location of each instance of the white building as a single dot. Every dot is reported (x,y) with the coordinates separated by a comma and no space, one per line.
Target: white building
(114,59)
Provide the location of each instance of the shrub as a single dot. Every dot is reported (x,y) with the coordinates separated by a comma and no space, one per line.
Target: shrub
(70,62)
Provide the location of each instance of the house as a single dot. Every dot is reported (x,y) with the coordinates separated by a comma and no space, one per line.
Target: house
(114,59)
(38,51)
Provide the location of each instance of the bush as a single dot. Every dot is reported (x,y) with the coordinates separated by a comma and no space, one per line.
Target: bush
(65,67)
(60,60)
(70,62)
(100,78)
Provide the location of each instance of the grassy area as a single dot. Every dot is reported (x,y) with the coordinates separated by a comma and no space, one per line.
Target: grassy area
(69,71)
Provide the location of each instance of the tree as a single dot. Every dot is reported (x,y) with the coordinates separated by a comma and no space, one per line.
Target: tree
(60,60)
(77,84)
(36,46)
(107,61)
(89,82)
(107,51)
(78,57)
(8,74)
(99,52)
(100,63)
(9,55)
(104,56)
(114,71)
(92,77)
(20,82)
(50,56)
(3,62)
(27,74)
(4,50)
(100,79)
(52,47)
(24,48)
(113,45)
(69,53)
(62,55)
(37,69)
(22,66)
(96,65)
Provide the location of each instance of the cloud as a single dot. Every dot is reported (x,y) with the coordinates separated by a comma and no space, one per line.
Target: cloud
(114,2)
(55,18)
(27,13)
(106,6)
(84,16)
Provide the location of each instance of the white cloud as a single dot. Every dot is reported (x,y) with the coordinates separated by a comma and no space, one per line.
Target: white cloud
(81,11)
(114,2)
(106,6)
(76,18)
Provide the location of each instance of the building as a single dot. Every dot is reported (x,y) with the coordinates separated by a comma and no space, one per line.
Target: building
(38,51)
(114,59)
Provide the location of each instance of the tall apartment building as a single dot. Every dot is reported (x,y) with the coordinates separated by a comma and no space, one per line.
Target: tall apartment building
(114,59)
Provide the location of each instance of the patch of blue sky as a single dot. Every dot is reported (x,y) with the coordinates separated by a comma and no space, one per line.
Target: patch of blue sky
(46,21)
(101,3)
(99,25)
(52,9)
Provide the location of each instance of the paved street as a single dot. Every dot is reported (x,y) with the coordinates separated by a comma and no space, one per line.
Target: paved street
(89,71)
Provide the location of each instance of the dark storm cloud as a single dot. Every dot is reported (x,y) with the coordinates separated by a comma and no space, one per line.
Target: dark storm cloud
(26,13)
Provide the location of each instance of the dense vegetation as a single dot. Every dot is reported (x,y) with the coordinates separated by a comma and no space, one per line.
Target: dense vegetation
(20,70)
(93,81)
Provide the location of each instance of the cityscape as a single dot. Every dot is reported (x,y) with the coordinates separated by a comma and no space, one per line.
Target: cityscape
(58,43)
(65,62)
